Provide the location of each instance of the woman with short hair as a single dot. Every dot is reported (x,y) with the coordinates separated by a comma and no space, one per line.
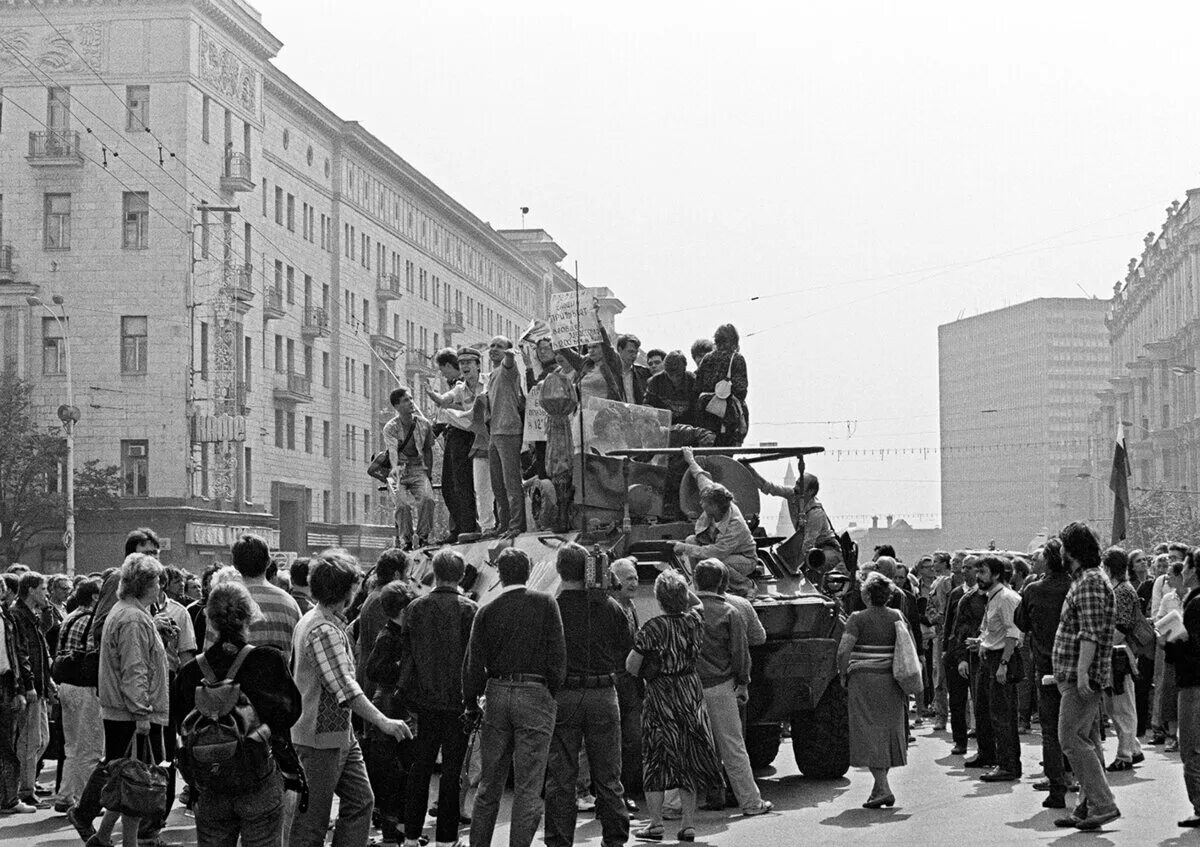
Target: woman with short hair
(325,741)
(263,676)
(677,742)
(878,706)
(724,363)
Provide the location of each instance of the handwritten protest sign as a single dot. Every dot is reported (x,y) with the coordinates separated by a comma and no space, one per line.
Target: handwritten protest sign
(569,327)
(535,416)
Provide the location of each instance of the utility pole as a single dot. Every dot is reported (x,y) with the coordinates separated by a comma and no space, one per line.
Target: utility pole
(68,413)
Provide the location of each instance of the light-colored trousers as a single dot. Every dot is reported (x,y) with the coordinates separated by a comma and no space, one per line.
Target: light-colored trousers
(83,738)
(721,702)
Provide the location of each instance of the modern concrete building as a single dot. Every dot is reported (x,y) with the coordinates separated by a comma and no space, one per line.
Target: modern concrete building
(1017,386)
(234,361)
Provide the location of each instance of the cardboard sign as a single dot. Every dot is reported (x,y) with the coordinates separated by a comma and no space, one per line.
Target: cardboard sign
(570,327)
(536,418)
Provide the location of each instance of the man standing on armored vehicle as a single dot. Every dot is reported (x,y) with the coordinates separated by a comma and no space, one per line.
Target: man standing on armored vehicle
(808,516)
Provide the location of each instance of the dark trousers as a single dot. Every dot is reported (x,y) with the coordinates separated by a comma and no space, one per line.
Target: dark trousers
(985,739)
(116,741)
(1000,707)
(589,717)
(1027,689)
(387,762)
(10,762)
(435,731)
(629,699)
(958,693)
(1142,686)
(1053,760)
(458,482)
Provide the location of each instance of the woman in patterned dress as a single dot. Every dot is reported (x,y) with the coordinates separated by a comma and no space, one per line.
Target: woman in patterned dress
(677,744)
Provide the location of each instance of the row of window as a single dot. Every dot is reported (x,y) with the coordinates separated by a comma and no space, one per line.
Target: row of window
(134,347)
(285,433)
(56,220)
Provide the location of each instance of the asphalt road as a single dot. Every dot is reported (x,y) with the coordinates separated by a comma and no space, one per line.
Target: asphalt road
(938,802)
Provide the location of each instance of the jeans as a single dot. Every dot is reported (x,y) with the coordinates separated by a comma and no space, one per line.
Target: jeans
(387,762)
(340,771)
(458,486)
(957,691)
(435,731)
(485,507)
(722,706)
(1123,711)
(1189,742)
(504,461)
(257,818)
(10,762)
(413,489)
(83,737)
(34,735)
(518,722)
(999,702)
(629,698)
(1052,754)
(985,738)
(591,717)
(1079,734)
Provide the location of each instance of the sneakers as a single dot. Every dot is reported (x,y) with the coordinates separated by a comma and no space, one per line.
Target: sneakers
(586,803)
(18,808)
(762,808)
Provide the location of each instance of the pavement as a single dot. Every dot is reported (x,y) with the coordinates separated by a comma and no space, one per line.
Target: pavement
(937,803)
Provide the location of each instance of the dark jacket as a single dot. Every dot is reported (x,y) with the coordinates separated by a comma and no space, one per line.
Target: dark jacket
(16,681)
(967,619)
(31,645)
(679,399)
(383,669)
(1038,614)
(714,367)
(1185,655)
(520,632)
(434,635)
(641,379)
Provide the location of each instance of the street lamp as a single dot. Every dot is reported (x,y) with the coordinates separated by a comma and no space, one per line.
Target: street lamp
(69,415)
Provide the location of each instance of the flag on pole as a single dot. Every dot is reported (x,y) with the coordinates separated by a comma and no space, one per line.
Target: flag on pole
(1118,483)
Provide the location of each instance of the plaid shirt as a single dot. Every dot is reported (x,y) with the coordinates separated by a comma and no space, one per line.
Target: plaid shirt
(1087,614)
(71,635)
(335,659)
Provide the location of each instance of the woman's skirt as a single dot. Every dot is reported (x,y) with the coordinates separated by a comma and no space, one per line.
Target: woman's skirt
(878,713)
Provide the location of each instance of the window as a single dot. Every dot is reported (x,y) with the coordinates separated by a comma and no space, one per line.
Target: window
(54,348)
(308,363)
(325,369)
(58,108)
(58,222)
(291,213)
(325,445)
(135,468)
(324,238)
(249,466)
(366,380)
(278,205)
(136,216)
(367,443)
(279,423)
(203,350)
(291,285)
(325,506)
(137,105)
(246,363)
(308,434)
(204,108)
(304,221)
(279,354)
(291,430)
(264,197)
(134,330)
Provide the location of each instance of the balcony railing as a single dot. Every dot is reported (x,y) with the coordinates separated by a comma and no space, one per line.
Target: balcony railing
(316,323)
(237,175)
(385,345)
(387,287)
(55,147)
(453,321)
(418,361)
(297,389)
(6,263)
(241,280)
(273,304)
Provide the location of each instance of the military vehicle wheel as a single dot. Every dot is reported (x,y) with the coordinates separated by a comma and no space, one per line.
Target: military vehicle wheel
(821,736)
(762,743)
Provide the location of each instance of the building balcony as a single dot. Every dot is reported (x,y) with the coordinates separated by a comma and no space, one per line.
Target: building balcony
(387,347)
(56,148)
(452,323)
(237,175)
(7,272)
(240,279)
(417,363)
(387,287)
(272,304)
(296,389)
(316,324)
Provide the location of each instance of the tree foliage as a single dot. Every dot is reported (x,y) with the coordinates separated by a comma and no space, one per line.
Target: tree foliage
(1161,515)
(31,458)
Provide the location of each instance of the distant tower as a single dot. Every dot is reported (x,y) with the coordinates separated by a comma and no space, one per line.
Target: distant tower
(783,527)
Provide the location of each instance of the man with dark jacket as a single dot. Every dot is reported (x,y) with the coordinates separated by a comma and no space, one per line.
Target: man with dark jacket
(516,656)
(957,687)
(433,639)
(632,376)
(1037,616)
(40,689)
(14,676)
(965,662)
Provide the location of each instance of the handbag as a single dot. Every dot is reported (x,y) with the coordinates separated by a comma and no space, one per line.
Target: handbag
(78,667)
(906,664)
(1141,637)
(718,404)
(135,787)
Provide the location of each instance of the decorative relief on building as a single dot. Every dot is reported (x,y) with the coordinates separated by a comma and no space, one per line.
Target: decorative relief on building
(73,51)
(227,71)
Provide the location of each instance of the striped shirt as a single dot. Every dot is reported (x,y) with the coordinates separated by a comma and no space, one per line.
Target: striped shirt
(280,614)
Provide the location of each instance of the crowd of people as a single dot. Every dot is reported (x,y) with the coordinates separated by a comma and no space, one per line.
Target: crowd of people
(355,685)
(1072,638)
(480,414)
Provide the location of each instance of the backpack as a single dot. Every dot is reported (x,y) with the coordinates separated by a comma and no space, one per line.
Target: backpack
(226,748)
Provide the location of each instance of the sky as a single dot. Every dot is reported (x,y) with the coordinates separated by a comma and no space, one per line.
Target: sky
(836,179)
